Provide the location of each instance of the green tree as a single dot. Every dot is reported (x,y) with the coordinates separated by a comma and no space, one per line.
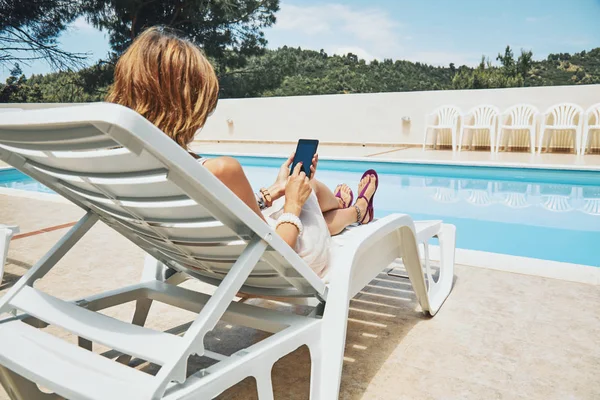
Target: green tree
(29,31)
(17,89)
(229,31)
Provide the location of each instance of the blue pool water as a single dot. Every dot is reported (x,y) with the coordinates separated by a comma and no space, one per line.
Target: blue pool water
(539,213)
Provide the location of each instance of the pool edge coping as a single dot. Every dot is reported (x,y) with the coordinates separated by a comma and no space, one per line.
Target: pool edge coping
(512,165)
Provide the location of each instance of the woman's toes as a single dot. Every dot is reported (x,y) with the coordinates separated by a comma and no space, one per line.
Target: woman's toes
(342,193)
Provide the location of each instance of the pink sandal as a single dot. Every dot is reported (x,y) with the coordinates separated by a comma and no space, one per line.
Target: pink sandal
(370,211)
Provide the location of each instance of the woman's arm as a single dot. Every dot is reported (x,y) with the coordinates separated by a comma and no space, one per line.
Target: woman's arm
(229,171)
(297,191)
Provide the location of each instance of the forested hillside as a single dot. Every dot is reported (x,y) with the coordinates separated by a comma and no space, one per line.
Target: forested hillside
(231,33)
(292,72)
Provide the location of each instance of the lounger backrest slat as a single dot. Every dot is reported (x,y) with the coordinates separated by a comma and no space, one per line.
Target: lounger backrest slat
(110,160)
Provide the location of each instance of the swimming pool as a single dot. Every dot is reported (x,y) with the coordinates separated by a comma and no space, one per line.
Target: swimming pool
(539,213)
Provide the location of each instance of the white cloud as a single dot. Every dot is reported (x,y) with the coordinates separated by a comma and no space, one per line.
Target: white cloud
(371,32)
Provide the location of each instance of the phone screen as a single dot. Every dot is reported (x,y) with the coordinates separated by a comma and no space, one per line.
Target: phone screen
(305,152)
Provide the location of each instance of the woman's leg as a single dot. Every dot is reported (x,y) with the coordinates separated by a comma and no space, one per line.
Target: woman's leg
(326,198)
(338,220)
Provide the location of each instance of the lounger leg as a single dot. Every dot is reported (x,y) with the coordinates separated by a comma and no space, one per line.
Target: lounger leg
(264,385)
(142,308)
(153,270)
(316,372)
(326,373)
(19,388)
(439,291)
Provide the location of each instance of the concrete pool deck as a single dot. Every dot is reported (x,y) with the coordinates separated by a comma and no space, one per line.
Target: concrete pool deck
(498,336)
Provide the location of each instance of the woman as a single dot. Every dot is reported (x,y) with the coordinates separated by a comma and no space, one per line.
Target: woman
(171,83)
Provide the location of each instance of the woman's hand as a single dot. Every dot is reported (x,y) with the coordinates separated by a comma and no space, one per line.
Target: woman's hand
(313,167)
(297,191)
(278,188)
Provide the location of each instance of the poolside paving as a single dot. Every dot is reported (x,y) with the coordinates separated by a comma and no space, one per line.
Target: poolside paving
(498,336)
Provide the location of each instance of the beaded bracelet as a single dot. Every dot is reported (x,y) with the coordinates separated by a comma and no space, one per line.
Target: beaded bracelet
(289,218)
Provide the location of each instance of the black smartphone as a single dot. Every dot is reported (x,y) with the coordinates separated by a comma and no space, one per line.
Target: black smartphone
(305,151)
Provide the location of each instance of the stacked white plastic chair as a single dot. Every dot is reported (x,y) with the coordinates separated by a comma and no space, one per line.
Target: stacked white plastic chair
(591,123)
(562,117)
(520,117)
(483,117)
(446,118)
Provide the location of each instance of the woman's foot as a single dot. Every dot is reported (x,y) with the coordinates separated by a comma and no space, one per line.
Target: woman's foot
(369,185)
(343,193)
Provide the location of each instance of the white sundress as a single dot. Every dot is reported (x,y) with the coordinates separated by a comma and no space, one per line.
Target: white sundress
(314,244)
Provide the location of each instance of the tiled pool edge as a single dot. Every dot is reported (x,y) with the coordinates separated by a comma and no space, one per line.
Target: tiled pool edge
(500,262)
(464,163)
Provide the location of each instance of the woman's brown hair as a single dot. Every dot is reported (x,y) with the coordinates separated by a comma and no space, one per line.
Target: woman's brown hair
(168,80)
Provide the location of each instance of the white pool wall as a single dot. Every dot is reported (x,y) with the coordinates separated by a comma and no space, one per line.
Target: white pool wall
(386,118)
(376,118)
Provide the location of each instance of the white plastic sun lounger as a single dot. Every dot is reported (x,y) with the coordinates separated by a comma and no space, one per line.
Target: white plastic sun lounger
(126,173)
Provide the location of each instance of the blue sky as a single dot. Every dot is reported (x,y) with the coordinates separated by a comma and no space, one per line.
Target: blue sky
(433,31)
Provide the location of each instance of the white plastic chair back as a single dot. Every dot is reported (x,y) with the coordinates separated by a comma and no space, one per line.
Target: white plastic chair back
(522,115)
(592,114)
(484,115)
(591,120)
(564,115)
(447,116)
(519,117)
